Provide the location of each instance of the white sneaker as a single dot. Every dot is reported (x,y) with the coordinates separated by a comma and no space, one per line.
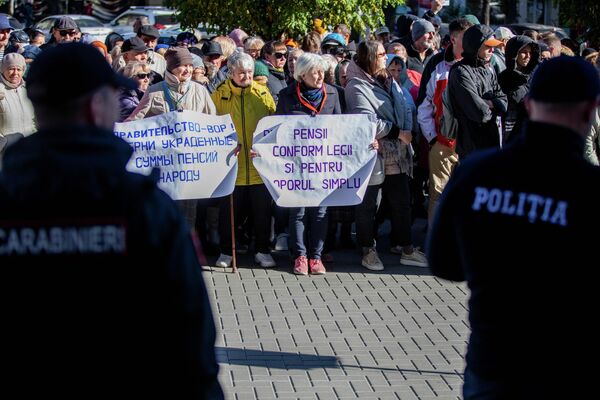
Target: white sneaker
(416,259)
(281,243)
(224,261)
(371,261)
(264,260)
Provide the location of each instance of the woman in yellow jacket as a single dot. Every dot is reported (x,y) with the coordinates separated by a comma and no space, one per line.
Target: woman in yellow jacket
(247,102)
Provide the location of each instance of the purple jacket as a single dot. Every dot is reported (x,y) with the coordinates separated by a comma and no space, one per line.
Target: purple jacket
(128,101)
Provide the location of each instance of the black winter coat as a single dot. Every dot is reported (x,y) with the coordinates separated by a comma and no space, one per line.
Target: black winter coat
(471,82)
(102,292)
(275,81)
(515,83)
(515,225)
(289,104)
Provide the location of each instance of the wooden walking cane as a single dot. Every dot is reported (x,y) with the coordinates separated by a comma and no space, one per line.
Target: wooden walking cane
(234,258)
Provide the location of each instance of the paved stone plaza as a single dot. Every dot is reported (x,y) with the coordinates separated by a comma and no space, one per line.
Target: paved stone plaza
(352,333)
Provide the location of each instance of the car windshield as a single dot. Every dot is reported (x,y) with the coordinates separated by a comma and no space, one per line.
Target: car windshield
(88,23)
(165,19)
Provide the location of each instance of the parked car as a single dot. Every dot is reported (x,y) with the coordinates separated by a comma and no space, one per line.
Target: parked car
(87,24)
(160,17)
(169,35)
(520,27)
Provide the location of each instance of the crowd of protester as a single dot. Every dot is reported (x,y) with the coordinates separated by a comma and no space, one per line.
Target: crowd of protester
(435,100)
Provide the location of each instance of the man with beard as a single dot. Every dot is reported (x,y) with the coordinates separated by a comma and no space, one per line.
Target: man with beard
(419,44)
(213,61)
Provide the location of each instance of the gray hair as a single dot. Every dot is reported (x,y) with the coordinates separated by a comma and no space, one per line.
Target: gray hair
(250,40)
(240,60)
(306,63)
(330,64)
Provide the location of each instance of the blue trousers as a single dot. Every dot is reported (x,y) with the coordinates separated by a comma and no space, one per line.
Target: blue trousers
(312,222)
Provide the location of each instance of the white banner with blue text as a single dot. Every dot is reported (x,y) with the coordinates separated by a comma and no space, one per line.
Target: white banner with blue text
(193,151)
(307,161)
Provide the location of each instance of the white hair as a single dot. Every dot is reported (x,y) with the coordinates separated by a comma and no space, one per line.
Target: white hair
(240,60)
(249,41)
(306,63)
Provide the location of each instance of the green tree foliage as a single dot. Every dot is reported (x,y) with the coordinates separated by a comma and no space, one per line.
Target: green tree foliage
(272,18)
(583,17)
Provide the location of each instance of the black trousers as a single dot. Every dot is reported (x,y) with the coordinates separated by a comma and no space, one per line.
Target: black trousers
(251,199)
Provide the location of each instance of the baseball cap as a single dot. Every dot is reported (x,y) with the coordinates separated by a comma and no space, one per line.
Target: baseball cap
(148,30)
(492,41)
(134,44)
(4,24)
(565,79)
(65,22)
(212,48)
(503,33)
(335,39)
(381,30)
(69,71)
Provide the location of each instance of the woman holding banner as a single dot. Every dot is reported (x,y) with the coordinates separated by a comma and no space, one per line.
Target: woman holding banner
(247,102)
(176,92)
(311,96)
(371,90)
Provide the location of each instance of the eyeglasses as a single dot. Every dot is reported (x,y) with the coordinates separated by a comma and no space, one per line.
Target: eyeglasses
(280,55)
(381,55)
(65,33)
(142,76)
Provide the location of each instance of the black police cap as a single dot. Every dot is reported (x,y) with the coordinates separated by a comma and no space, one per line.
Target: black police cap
(565,79)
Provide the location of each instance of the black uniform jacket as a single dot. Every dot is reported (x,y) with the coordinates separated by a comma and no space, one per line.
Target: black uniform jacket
(520,225)
(102,292)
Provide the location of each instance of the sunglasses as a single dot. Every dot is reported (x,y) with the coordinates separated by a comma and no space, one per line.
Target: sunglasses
(7,31)
(142,76)
(280,55)
(65,33)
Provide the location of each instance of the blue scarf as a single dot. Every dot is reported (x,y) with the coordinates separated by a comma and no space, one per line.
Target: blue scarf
(313,96)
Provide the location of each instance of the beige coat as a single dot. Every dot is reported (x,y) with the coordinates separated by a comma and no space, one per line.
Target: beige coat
(153,103)
(188,96)
(16,111)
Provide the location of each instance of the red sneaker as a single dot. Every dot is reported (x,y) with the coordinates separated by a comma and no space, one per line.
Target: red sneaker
(317,267)
(301,266)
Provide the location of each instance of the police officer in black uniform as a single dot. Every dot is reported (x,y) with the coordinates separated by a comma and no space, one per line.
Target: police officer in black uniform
(102,292)
(520,225)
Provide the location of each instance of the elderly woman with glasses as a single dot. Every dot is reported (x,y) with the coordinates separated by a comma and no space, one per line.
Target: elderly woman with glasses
(247,102)
(372,90)
(139,71)
(274,56)
(16,111)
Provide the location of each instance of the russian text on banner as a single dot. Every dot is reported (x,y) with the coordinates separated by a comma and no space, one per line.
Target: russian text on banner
(307,161)
(193,151)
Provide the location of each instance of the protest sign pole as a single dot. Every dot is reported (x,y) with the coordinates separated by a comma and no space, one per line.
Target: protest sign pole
(231,213)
